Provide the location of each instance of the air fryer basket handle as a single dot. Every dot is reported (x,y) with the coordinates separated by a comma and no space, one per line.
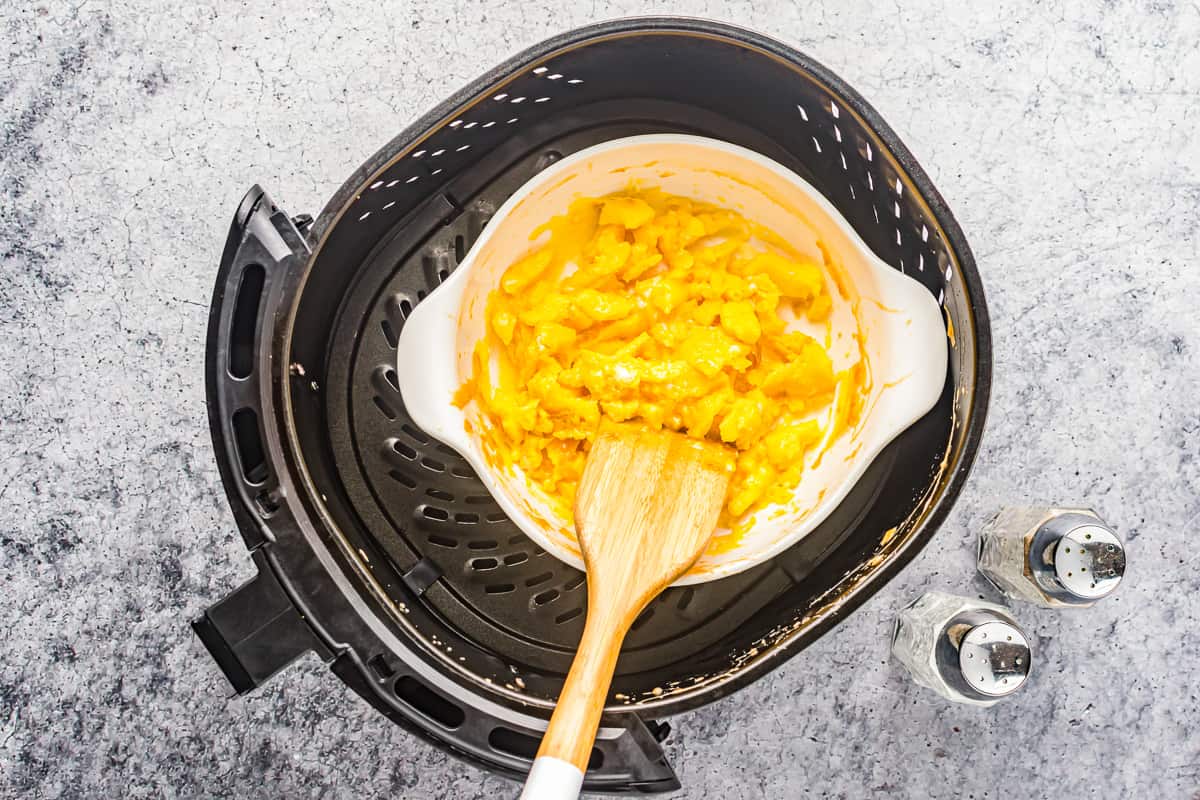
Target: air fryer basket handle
(262,246)
(255,631)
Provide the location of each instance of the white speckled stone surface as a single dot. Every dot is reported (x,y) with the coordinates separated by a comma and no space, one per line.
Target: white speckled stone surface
(1063,136)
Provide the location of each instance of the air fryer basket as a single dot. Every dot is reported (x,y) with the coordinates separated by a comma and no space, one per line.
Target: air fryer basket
(382,548)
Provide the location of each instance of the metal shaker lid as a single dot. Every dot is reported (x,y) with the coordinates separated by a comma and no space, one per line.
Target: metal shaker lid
(994,658)
(1089,561)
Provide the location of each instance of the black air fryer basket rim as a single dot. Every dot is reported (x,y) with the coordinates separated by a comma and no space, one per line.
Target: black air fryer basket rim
(891,146)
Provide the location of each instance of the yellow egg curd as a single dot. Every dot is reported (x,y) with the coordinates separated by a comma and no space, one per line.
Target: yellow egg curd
(651,307)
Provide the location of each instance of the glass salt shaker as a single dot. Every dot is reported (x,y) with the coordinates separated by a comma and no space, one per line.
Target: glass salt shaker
(966,650)
(1052,557)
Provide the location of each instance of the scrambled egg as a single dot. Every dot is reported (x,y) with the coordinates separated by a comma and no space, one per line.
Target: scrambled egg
(646,306)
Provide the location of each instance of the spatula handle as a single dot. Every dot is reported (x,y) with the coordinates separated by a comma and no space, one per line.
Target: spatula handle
(562,759)
(552,779)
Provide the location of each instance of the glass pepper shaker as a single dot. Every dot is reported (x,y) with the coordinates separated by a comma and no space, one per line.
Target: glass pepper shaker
(966,650)
(1052,557)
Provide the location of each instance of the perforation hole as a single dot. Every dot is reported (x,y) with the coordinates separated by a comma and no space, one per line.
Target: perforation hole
(833,109)
(466,518)
(803,113)
(511,121)
(469,125)
(500,96)
(569,615)
(437,153)
(404,450)
(432,464)
(364,216)
(413,179)
(433,512)
(415,433)
(478,499)
(575,81)
(460,248)
(816,144)
(461,471)
(489,123)
(539,579)
(499,588)
(517,100)
(389,205)
(484,564)
(517,539)
(554,77)
(837,133)
(251,455)
(462,148)
(494,517)
(685,598)
(643,618)
(418,154)
(483,544)
(390,184)
(541,99)
(375,185)
(540,70)
(438,494)
(575,582)
(512,559)
(402,479)
(389,334)
(443,541)
(389,375)
(384,407)
(548,596)
(429,703)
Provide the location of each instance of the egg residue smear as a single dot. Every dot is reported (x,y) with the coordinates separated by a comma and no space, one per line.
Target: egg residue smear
(672,312)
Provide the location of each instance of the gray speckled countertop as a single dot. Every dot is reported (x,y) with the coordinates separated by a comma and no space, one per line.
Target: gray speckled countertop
(1063,137)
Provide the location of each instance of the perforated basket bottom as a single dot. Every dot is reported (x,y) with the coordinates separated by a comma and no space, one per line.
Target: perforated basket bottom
(432,518)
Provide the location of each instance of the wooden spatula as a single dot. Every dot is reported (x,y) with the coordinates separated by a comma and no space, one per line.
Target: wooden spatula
(647,506)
